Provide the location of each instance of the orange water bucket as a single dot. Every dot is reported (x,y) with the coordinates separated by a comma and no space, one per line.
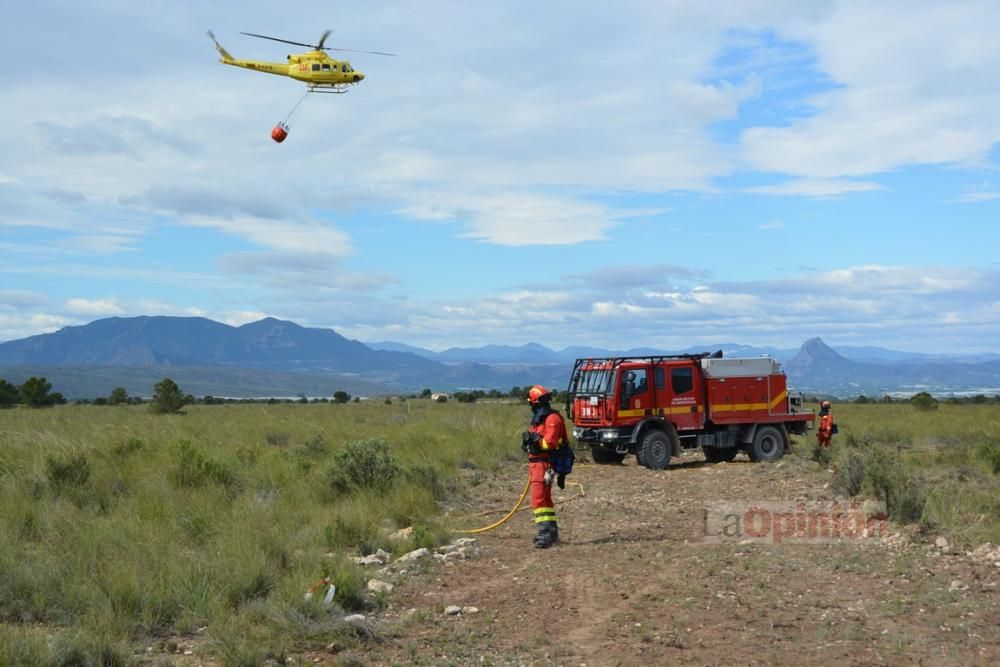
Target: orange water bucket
(280,132)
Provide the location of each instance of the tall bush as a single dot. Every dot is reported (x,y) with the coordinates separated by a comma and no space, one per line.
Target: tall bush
(167,397)
(366,465)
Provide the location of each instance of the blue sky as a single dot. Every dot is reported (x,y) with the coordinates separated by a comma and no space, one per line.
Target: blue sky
(667,174)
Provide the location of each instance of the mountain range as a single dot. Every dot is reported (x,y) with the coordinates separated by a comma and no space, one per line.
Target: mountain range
(274,357)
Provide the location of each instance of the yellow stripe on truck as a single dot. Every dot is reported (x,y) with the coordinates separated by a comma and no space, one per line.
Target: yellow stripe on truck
(778,399)
(724,407)
(677,410)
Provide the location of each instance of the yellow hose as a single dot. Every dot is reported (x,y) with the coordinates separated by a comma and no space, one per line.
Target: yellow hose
(509,514)
(516,507)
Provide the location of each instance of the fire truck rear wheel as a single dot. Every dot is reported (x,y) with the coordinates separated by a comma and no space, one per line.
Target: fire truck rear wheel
(656,450)
(769,444)
(605,455)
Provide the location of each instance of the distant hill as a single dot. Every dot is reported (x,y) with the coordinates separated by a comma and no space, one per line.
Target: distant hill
(196,341)
(817,367)
(163,344)
(274,357)
(534,353)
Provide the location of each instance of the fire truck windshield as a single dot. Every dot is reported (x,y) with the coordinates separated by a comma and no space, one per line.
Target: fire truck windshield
(592,381)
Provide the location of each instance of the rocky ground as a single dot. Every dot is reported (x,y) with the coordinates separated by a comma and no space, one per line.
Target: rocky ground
(634,582)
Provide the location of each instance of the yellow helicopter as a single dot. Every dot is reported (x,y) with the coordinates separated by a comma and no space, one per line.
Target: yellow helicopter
(320,72)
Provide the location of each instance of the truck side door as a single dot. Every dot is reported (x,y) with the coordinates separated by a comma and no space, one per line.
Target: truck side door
(686,408)
(635,397)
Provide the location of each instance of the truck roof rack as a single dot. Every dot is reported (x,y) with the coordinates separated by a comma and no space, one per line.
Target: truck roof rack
(616,361)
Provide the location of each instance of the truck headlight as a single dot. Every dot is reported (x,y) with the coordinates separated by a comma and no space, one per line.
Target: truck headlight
(608,435)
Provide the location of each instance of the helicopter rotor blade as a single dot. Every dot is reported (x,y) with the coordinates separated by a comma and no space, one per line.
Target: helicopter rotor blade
(378,53)
(319,47)
(275,39)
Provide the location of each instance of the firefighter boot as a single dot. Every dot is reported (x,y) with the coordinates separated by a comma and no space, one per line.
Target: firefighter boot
(544,538)
(553,531)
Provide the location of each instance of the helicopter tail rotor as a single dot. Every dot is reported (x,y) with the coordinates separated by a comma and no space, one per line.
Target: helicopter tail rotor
(226,56)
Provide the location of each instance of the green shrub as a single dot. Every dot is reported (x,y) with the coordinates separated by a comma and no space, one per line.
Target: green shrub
(850,475)
(193,468)
(366,465)
(257,586)
(130,446)
(276,439)
(348,533)
(316,445)
(887,479)
(72,471)
(352,591)
(821,455)
(988,452)
(924,402)
(427,476)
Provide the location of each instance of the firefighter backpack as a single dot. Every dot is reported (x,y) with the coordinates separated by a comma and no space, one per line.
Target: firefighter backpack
(562,460)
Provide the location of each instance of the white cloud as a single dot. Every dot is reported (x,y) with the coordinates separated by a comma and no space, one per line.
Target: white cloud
(816,187)
(975,197)
(94,307)
(916,85)
(519,219)
(302,236)
(238,318)
(22,325)
(884,305)
(13,298)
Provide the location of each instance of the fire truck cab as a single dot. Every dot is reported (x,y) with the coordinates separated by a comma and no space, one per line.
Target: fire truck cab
(654,407)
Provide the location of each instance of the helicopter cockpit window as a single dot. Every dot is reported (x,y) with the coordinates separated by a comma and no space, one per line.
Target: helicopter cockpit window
(315,67)
(326,67)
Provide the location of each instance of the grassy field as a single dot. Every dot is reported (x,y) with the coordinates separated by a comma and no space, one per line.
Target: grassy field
(121,529)
(936,468)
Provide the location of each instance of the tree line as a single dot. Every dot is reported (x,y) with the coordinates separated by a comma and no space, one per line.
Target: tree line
(36,392)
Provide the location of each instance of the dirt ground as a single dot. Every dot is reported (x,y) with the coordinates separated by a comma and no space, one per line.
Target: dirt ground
(634,583)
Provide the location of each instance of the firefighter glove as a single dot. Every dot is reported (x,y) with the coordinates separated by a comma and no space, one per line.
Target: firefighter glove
(549,476)
(529,442)
(561,481)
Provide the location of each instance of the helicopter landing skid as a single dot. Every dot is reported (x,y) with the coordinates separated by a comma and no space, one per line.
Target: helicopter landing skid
(329,90)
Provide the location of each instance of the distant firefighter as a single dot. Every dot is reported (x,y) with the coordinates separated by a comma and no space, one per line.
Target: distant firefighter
(826,427)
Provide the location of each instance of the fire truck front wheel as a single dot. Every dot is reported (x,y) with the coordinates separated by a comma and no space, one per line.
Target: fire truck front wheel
(769,444)
(656,449)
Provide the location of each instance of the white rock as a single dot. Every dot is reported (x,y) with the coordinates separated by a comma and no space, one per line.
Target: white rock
(416,554)
(354,618)
(376,586)
(383,555)
(371,559)
(470,610)
(941,543)
(453,610)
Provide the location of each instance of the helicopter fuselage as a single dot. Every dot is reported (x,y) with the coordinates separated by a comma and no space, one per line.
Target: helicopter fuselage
(314,68)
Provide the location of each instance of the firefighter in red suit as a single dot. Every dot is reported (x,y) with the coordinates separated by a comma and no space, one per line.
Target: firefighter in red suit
(545,435)
(825,431)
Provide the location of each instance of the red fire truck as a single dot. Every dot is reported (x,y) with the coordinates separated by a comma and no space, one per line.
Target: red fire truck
(654,407)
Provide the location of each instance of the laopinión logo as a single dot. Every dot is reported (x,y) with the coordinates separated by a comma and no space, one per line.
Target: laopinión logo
(802,522)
